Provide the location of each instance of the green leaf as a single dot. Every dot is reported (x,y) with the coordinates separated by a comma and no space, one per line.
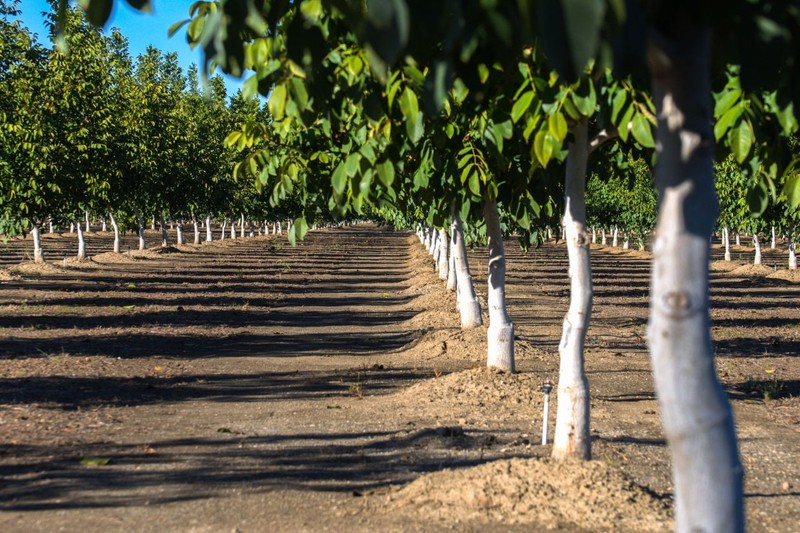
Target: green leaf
(728,118)
(277,102)
(409,106)
(625,121)
(616,105)
(385,32)
(97,11)
(543,147)
(386,173)
(557,126)
(570,33)
(757,199)
(791,189)
(95,461)
(726,100)
(641,131)
(339,179)
(521,106)
(173,29)
(475,183)
(741,140)
(351,164)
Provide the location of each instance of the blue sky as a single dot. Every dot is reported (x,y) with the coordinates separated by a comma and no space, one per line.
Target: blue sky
(141,29)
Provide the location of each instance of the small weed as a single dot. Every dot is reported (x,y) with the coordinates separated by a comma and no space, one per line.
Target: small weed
(355,388)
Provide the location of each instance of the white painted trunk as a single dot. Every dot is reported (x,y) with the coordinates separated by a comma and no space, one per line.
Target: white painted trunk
(468,305)
(223,230)
(50,226)
(603,237)
(594,235)
(196,228)
(444,265)
(179,232)
(153,223)
(773,242)
(252,232)
(233,230)
(726,241)
(572,438)
(549,233)
(140,224)
(625,240)
(86,219)
(115,227)
(172,224)
(615,238)
(209,235)
(104,226)
(738,239)
(500,334)
(38,255)
(452,280)
(280,232)
(72,227)
(792,257)
(81,242)
(697,418)
(757,245)
(275,228)
(163,224)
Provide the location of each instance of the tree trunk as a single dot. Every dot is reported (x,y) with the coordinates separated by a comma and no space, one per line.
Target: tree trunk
(726,240)
(153,223)
(594,235)
(163,224)
(625,240)
(452,280)
(500,334)
(86,219)
(572,438)
(115,227)
(773,241)
(615,238)
(603,237)
(697,418)
(104,227)
(233,230)
(222,231)
(38,255)
(50,225)
(209,235)
(468,305)
(196,227)
(179,232)
(72,227)
(738,239)
(792,256)
(444,265)
(280,232)
(140,223)
(757,245)
(252,230)
(81,242)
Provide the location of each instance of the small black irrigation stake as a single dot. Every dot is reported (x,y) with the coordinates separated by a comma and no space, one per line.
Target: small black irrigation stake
(547,387)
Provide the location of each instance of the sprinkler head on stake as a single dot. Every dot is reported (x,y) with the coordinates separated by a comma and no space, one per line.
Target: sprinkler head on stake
(547,387)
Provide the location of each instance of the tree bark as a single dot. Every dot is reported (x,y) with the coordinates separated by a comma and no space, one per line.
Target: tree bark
(115,227)
(468,305)
(163,224)
(104,226)
(594,235)
(233,230)
(179,231)
(738,239)
(222,231)
(615,238)
(81,242)
(726,238)
(209,235)
(153,223)
(196,228)
(50,225)
(603,237)
(773,242)
(444,265)
(697,418)
(38,255)
(572,438)
(500,334)
(86,219)
(280,232)
(757,245)
(140,223)
(452,280)
(792,256)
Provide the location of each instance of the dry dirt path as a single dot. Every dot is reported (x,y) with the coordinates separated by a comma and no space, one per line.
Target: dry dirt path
(252,386)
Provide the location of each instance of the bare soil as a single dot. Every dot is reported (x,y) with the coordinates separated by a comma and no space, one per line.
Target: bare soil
(249,385)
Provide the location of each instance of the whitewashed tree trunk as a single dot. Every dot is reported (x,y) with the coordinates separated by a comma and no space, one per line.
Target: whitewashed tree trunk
(280,232)
(209,235)
(697,418)
(468,305)
(615,238)
(38,255)
(452,280)
(163,224)
(153,223)
(792,256)
(738,239)
(773,242)
(757,245)
(196,227)
(572,438)
(726,241)
(252,231)
(436,248)
(172,224)
(500,334)
(179,231)
(140,224)
(603,237)
(104,226)
(81,242)
(594,235)
(50,225)
(549,233)
(222,231)
(275,228)
(72,227)
(625,240)
(233,230)
(444,265)
(86,220)
(115,227)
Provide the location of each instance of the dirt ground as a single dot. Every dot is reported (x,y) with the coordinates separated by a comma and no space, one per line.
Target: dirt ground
(253,386)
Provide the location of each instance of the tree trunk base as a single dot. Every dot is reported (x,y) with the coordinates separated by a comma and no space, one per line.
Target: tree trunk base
(500,341)
(470,311)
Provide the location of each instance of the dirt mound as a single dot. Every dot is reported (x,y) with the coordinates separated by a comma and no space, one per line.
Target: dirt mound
(725,266)
(786,275)
(477,387)
(589,496)
(110,258)
(36,268)
(5,275)
(753,270)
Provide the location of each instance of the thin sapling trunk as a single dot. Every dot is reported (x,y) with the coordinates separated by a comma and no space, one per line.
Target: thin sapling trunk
(81,242)
(444,265)
(115,227)
(468,305)
(140,224)
(500,334)
(38,255)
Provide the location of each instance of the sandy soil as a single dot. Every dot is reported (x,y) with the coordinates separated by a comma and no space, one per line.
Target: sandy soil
(251,386)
